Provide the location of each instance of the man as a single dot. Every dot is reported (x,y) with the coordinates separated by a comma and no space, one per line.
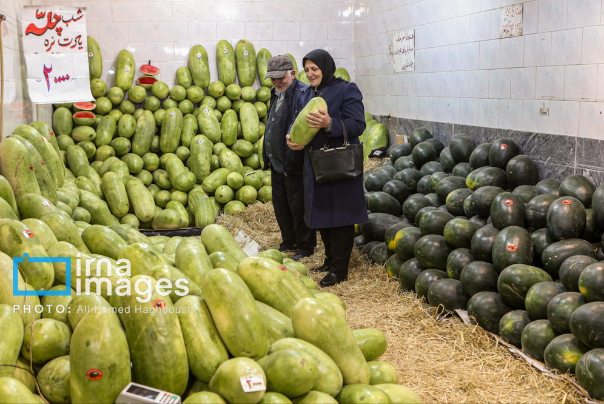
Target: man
(288,97)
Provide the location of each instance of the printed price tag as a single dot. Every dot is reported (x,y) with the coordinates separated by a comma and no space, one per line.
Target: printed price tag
(509,202)
(253,383)
(566,202)
(90,54)
(245,53)
(94,375)
(225,51)
(28,234)
(503,146)
(199,56)
(46,203)
(127,69)
(512,247)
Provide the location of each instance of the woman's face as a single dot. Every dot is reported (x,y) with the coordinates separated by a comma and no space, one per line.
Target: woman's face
(313,73)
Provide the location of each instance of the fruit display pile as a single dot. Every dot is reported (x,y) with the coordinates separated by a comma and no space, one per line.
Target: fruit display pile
(471,227)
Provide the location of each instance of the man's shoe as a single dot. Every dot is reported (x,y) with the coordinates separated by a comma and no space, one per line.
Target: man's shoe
(301,254)
(322,268)
(286,248)
(332,279)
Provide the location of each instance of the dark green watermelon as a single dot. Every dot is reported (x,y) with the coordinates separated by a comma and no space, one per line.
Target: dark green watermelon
(541,239)
(591,282)
(501,152)
(536,336)
(561,307)
(435,179)
(590,373)
(375,228)
(591,233)
(457,261)
(480,156)
(479,276)
(525,192)
(521,170)
(579,187)
(419,135)
(431,167)
(447,160)
(459,232)
(455,201)
(512,246)
(586,324)
(538,297)
(507,210)
(448,185)
(397,189)
(360,241)
(479,221)
(515,281)
(423,185)
(487,309)
(462,170)
(381,202)
(597,203)
(437,144)
(399,150)
(392,232)
(555,254)
(423,153)
(547,186)
(566,218)
(426,279)
(447,293)
(482,199)
(393,266)
(413,204)
(405,242)
(571,269)
(404,162)
(410,176)
(366,250)
(469,209)
(564,352)
(433,198)
(379,254)
(434,222)
(387,169)
(486,177)
(461,147)
(511,326)
(482,243)
(432,251)
(375,181)
(536,210)
(408,274)
(421,212)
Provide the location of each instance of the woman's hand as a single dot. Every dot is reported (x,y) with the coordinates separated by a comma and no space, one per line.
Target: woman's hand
(318,119)
(293,146)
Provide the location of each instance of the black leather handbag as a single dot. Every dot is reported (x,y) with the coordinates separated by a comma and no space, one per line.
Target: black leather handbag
(337,163)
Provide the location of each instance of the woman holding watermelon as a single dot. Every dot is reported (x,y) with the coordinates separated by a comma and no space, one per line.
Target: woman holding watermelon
(333,207)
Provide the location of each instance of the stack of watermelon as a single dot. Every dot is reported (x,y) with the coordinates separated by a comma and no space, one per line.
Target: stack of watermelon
(471,227)
(258,319)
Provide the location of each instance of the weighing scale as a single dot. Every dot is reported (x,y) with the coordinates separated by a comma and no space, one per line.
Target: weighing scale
(135,393)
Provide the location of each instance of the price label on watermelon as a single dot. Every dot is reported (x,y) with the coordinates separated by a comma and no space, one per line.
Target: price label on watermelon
(205,111)
(503,146)
(245,53)
(46,203)
(31,167)
(253,383)
(94,374)
(172,113)
(225,51)
(283,268)
(127,69)
(509,202)
(566,202)
(199,56)
(42,162)
(28,233)
(512,247)
(159,304)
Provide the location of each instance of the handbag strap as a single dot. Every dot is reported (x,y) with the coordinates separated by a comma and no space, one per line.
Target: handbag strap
(344,135)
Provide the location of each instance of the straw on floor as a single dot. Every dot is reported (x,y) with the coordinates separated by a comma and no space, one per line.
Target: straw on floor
(442,361)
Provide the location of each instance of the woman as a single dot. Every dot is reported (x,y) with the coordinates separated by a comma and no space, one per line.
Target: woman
(333,207)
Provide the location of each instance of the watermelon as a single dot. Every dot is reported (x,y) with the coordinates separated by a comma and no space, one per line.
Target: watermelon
(521,170)
(434,222)
(461,147)
(561,307)
(566,218)
(447,293)
(447,160)
(408,274)
(482,242)
(536,210)
(511,326)
(432,251)
(591,282)
(149,70)
(590,373)
(579,187)
(479,276)
(587,325)
(515,281)
(501,152)
(564,352)
(538,297)
(487,308)
(426,279)
(419,135)
(554,255)
(457,260)
(536,336)
(423,153)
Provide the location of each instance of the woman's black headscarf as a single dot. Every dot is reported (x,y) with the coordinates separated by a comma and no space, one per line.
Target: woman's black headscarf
(325,62)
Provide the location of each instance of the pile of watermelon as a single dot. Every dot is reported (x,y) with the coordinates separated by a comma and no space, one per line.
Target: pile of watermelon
(240,319)
(471,227)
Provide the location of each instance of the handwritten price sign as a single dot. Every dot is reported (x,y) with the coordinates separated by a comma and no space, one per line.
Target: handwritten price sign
(54,43)
(403,51)
(510,21)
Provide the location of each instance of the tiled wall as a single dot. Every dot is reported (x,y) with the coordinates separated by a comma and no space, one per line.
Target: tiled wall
(466,75)
(164,31)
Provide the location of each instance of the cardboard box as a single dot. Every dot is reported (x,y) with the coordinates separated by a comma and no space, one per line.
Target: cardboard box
(400,139)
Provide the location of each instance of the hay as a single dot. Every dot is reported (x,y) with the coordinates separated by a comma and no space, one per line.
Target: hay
(443,361)
(372,164)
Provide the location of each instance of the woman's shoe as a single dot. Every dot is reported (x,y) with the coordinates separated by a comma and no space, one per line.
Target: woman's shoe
(332,279)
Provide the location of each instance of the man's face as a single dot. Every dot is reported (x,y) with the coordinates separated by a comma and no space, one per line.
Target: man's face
(283,83)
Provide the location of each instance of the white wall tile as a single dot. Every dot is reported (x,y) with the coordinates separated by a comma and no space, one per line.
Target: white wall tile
(523,83)
(530,17)
(231,31)
(479,84)
(143,31)
(216,11)
(510,114)
(442,84)
(489,4)
(451,57)
(287,30)
(324,11)
(494,26)
(564,117)
(600,85)
(155,11)
(591,120)
(579,82)
(460,84)
(186,11)
(122,11)
(565,47)
(592,50)
(313,29)
(499,83)
(468,111)
(99,12)
(201,31)
(532,120)
(537,49)
(461,29)
(488,113)
(111,31)
(244,11)
(159,51)
(339,30)
(490,54)
(469,56)
(584,13)
(552,15)
(480,25)
(550,83)
(470,6)
(173,31)
(512,52)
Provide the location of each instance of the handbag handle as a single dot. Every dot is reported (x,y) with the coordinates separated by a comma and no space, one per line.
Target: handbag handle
(344,135)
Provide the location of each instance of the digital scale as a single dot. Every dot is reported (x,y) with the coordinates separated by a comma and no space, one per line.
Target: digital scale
(135,393)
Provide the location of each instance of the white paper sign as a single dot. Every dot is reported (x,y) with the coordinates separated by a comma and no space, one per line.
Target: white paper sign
(54,43)
(403,51)
(510,21)
(253,383)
